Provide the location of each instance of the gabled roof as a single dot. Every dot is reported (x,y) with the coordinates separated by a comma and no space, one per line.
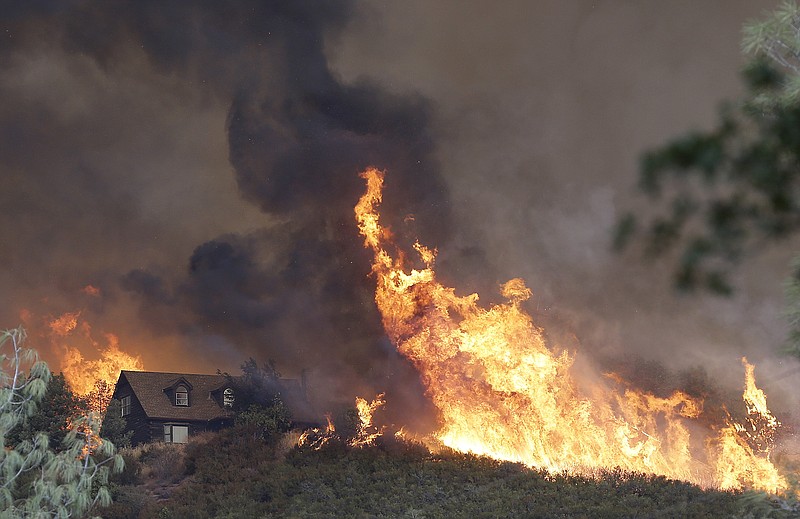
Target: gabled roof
(180,381)
(149,388)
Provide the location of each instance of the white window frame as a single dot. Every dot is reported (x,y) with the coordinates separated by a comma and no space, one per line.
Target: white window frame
(228,397)
(182,391)
(174,433)
(125,405)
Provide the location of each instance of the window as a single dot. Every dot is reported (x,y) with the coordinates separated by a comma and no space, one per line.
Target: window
(126,405)
(227,397)
(181,396)
(176,433)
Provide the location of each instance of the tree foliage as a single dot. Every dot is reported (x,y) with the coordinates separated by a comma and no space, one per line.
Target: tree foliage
(99,397)
(114,426)
(722,193)
(266,422)
(778,37)
(255,386)
(257,400)
(58,407)
(35,479)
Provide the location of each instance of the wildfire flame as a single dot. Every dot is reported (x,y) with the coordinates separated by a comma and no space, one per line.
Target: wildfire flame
(90,366)
(762,423)
(83,374)
(365,434)
(65,324)
(317,438)
(502,391)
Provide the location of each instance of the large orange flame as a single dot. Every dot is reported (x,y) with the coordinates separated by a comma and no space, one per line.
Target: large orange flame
(83,374)
(367,431)
(502,391)
(91,366)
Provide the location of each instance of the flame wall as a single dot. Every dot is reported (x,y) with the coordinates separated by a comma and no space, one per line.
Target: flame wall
(501,391)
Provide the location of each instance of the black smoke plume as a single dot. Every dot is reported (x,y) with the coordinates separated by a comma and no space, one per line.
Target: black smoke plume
(296,291)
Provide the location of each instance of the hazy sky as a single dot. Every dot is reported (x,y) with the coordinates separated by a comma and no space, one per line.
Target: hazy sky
(198,165)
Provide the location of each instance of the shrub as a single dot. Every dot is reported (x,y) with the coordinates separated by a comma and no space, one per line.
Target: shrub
(162,462)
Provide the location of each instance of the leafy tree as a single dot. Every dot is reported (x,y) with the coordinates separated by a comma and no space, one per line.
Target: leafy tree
(36,480)
(57,409)
(99,397)
(722,193)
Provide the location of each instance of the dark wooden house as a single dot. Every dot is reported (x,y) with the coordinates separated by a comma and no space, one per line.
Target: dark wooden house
(170,407)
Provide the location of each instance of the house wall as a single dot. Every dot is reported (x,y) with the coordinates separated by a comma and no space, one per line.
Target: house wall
(137,419)
(155,427)
(150,427)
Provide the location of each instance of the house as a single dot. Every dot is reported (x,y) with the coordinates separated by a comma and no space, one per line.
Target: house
(171,407)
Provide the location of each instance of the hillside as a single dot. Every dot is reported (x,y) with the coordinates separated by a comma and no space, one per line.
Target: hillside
(235,474)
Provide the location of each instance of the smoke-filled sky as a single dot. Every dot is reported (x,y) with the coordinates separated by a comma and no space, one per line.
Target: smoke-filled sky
(197,163)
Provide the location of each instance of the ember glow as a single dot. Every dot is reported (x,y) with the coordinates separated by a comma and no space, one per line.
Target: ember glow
(501,391)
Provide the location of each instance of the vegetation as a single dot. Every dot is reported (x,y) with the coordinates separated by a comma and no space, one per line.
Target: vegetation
(232,474)
(58,407)
(725,191)
(258,405)
(114,425)
(255,386)
(99,397)
(37,478)
(265,423)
